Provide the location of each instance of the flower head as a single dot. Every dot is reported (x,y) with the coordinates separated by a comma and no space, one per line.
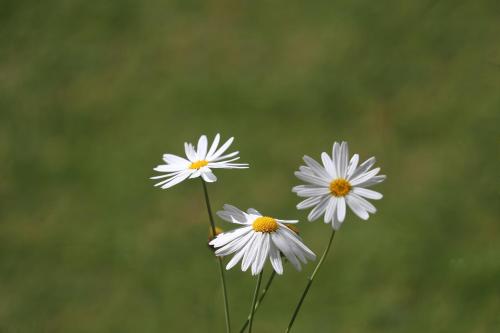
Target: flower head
(199,162)
(258,238)
(337,183)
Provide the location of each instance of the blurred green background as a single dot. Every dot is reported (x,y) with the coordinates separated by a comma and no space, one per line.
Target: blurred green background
(93,93)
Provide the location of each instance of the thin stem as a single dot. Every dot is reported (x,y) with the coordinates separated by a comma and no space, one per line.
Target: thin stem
(309,283)
(261,298)
(252,309)
(219,259)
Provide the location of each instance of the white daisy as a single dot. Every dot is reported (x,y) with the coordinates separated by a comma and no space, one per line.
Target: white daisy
(199,162)
(260,237)
(336,183)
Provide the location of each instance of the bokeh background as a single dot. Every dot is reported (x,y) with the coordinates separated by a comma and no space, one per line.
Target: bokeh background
(93,93)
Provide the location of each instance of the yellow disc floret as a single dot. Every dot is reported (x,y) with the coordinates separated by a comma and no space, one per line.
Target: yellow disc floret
(339,187)
(198,164)
(265,224)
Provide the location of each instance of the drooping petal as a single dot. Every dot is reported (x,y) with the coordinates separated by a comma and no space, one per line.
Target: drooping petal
(356,207)
(262,255)
(319,209)
(341,209)
(365,204)
(282,245)
(275,258)
(309,202)
(252,251)
(330,209)
(229,236)
(208,175)
(175,180)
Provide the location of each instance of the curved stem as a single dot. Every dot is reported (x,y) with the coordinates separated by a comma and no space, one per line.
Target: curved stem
(309,283)
(252,309)
(261,298)
(219,259)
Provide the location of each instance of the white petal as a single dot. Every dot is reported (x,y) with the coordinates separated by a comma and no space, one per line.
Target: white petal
(312,179)
(174,159)
(282,245)
(288,221)
(223,157)
(336,224)
(166,175)
(253,211)
(275,258)
(307,170)
(175,180)
(329,167)
(372,181)
(319,209)
(202,147)
(336,157)
(352,165)
(213,147)
(315,167)
(195,174)
(363,167)
(330,209)
(234,246)
(367,193)
(341,209)
(260,260)
(356,207)
(309,202)
(299,247)
(344,155)
(252,250)
(313,192)
(236,258)
(170,167)
(222,149)
(208,176)
(190,153)
(365,204)
(227,237)
(364,177)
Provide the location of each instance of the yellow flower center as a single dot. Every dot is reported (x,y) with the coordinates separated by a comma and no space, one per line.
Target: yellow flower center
(265,224)
(198,164)
(339,187)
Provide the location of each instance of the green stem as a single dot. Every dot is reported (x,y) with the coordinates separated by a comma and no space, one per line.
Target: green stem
(261,298)
(252,309)
(309,283)
(219,259)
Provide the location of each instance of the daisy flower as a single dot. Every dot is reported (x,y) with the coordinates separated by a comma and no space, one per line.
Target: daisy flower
(199,162)
(259,238)
(337,183)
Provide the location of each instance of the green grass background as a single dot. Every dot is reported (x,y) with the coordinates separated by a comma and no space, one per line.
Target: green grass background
(93,93)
